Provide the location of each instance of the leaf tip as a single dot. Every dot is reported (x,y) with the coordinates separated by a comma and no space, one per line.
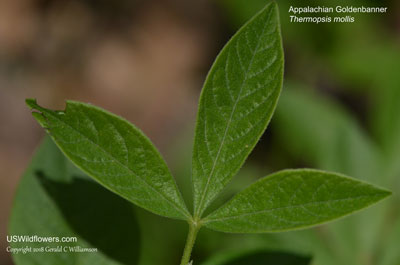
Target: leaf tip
(38,115)
(33,105)
(273,5)
(31,102)
(383,194)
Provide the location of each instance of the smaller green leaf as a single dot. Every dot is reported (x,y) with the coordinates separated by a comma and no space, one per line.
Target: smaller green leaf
(115,153)
(293,199)
(55,199)
(259,257)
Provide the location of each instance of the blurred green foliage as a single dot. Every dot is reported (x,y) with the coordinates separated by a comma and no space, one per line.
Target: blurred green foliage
(258,257)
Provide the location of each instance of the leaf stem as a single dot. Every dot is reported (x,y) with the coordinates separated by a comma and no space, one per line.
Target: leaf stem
(194,227)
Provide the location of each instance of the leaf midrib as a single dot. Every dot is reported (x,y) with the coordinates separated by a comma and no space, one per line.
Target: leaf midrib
(179,209)
(210,220)
(200,211)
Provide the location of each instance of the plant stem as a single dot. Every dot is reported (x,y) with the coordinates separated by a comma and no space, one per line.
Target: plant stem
(194,227)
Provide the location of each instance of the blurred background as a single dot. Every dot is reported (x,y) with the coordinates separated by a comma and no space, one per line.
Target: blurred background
(147,60)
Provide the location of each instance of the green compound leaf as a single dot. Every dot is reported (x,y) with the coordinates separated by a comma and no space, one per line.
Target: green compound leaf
(116,154)
(236,104)
(293,199)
